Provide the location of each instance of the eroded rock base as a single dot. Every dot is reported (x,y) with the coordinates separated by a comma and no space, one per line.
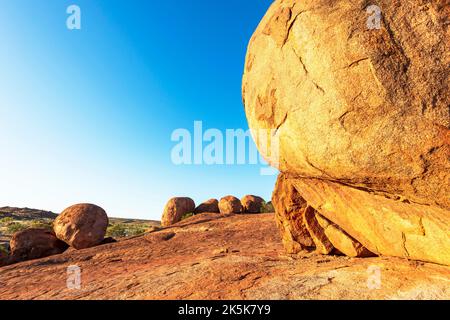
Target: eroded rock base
(333,218)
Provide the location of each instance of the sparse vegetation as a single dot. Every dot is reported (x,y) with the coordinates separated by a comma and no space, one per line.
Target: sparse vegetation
(6,221)
(122,230)
(3,250)
(267,207)
(48,225)
(9,226)
(187,215)
(14,227)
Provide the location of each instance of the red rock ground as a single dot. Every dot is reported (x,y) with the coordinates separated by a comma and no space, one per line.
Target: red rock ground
(219,257)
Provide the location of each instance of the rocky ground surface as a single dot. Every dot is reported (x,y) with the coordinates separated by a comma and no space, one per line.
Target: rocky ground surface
(212,256)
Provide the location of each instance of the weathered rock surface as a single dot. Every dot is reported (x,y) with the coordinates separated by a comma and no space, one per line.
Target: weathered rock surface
(210,206)
(34,244)
(359,223)
(340,240)
(290,216)
(230,204)
(212,256)
(383,225)
(361,117)
(81,226)
(317,233)
(252,204)
(175,209)
(304,229)
(369,108)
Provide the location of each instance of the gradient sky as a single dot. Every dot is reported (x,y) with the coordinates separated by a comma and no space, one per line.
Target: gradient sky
(87,115)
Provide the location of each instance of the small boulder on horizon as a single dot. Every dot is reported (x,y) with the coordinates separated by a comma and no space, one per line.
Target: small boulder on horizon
(252,204)
(209,206)
(230,204)
(175,209)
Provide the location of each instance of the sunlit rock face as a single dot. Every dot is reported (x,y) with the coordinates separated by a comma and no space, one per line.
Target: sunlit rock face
(357,100)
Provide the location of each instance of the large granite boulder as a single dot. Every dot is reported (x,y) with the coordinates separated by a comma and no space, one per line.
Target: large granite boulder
(361,118)
(81,226)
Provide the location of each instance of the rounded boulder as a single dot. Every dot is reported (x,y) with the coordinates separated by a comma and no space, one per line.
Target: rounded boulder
(175,209)
(342,99)
(210,206)
(35,244)
(252,204)
(81,226)
(230,204)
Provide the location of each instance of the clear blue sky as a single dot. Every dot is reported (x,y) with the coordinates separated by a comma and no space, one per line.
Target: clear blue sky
(87,115)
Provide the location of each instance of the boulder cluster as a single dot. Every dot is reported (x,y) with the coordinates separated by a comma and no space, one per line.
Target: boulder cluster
(84,226)
(360,114)
(179,207)
(80,226)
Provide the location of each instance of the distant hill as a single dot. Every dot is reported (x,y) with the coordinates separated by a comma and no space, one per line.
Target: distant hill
(35,214)
(26,213)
